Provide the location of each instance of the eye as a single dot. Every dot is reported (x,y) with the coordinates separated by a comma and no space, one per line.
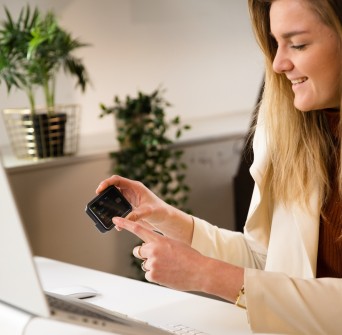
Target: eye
(299,47)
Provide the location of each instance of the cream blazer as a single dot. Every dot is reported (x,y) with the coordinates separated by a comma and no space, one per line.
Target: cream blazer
(279,251)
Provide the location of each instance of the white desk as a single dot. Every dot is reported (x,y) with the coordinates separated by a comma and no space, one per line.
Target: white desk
(144,301)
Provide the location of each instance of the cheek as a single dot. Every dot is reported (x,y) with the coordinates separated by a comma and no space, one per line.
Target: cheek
(333,64)
(327,74)
(332,77)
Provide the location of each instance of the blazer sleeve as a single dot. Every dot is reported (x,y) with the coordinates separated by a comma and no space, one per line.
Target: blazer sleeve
(225,245)
(280,304)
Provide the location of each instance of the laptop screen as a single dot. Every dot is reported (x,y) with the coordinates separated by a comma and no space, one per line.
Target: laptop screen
(19,282)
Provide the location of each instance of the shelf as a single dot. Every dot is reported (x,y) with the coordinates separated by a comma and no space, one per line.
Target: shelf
(95,146)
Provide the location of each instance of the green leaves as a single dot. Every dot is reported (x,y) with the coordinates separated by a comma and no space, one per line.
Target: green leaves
(14,37)
(33,50)
(147,153)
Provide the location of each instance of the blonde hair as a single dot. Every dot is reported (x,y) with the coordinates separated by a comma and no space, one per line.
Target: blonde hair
(300,145)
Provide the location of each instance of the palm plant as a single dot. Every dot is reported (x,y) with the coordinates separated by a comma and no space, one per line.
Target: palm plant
(33,50)
(14,41)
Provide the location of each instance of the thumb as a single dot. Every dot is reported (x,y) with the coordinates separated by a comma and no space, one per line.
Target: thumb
(139,213)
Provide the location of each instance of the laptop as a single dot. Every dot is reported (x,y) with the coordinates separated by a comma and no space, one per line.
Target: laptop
(20,286)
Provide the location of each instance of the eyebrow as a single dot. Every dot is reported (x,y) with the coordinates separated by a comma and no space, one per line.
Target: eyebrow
(292,33)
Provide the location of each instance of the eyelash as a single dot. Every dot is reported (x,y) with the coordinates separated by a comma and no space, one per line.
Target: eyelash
(299,47)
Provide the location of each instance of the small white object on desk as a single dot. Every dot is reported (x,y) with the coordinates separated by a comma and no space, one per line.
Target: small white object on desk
(75,291)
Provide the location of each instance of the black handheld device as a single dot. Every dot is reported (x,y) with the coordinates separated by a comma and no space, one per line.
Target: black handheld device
(105,206)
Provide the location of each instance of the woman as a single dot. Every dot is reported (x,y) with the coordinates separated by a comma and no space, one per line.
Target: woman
(286,268)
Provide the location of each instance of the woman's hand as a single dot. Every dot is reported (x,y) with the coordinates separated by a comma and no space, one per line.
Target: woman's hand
(150,210)
(166,261)
(176,265)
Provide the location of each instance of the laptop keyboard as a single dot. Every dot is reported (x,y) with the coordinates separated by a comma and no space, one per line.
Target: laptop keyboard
(57,303)
(66,306)
(182,330)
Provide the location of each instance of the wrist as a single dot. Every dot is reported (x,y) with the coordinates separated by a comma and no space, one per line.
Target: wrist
(181,225)
(222,279)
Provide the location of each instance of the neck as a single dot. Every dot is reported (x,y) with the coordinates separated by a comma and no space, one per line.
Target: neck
(333,110)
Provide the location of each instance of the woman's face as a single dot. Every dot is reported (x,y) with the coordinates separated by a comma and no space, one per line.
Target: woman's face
(309,54)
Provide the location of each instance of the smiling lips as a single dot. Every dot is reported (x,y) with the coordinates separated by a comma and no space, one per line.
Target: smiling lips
(299,81)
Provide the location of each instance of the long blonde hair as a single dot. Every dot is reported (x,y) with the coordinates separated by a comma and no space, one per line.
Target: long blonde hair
(300,145)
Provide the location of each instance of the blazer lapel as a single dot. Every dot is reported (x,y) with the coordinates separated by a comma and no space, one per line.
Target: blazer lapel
(308,222)
(294,240)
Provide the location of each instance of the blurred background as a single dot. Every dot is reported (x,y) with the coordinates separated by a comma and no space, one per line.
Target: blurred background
(202,52)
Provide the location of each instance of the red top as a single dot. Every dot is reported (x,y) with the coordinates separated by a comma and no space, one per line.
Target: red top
(329,258)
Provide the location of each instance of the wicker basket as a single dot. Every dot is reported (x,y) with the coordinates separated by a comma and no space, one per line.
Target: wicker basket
(46,133)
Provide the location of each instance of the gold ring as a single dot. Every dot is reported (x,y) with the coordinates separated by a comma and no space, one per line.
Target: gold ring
(143,266)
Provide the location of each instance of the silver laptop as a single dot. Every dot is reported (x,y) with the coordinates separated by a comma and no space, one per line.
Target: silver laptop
(20,286)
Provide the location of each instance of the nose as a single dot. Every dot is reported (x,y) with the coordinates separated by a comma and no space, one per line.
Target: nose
(282,62)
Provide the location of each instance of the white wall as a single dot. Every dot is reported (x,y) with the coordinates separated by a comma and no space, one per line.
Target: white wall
(201,51)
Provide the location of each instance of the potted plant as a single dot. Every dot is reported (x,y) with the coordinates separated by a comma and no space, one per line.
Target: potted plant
(33,50)
(147,149)
(147,152)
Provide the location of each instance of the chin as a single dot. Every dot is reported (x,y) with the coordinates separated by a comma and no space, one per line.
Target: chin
(307,107)
(304,108)
(307,104)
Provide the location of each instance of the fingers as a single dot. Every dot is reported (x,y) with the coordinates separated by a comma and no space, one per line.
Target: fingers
(115,180)
(134,219)
(137,252)
(143,266)
(140,213)
(140,230)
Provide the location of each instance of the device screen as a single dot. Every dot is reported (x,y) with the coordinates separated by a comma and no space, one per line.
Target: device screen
(108,204)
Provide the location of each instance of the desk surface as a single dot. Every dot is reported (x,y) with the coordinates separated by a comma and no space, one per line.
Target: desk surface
(147,302)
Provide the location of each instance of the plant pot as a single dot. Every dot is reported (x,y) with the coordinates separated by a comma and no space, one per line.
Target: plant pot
(44,134)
